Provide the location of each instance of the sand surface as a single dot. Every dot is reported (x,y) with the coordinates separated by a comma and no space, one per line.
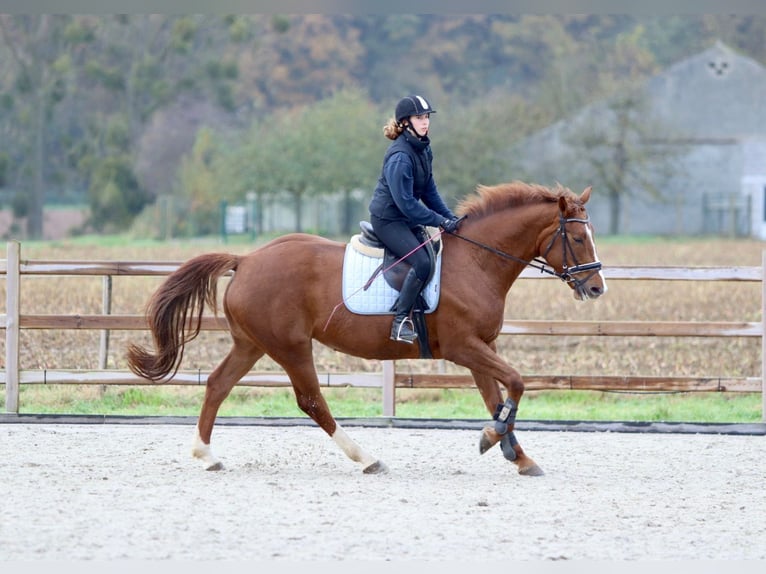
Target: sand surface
(133,492)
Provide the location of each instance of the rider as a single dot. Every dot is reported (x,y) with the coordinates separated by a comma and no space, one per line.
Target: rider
(405,199)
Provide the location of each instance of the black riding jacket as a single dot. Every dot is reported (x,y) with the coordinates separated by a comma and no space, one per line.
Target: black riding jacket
(406,190)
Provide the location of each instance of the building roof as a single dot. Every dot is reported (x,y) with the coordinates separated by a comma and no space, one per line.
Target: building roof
(715,97)
(715,94)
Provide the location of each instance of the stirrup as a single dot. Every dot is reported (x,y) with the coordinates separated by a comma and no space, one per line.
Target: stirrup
(406,337)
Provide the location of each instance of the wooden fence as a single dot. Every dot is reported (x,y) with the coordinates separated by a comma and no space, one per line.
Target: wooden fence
(13,321)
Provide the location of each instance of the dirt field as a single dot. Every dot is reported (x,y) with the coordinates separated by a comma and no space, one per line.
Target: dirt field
(133,492)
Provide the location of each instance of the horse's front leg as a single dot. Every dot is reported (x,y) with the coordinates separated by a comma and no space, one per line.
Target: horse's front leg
(502,431)
(488,369)
(492,396)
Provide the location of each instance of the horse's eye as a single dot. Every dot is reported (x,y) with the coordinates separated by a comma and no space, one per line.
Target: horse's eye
(578,240)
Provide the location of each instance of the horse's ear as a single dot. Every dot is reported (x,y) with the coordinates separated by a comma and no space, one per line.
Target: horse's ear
(585,196)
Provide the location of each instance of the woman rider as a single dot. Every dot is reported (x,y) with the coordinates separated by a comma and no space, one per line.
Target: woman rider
(405,200)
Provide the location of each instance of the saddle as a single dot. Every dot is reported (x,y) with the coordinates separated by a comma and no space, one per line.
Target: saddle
(394,272)
(367,247)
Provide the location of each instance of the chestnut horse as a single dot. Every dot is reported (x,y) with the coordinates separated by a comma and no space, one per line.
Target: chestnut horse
(287,293)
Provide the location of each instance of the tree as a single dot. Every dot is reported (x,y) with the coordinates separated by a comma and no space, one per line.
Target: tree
(293,158)
(75,90)
(613,144)
(40,46)
(147,67)
(302,59)
(616,143)
(471,142)
(115,195)
(345,133)
(242,167)
(332,146)
(169,135)
(146,61)
(199,187)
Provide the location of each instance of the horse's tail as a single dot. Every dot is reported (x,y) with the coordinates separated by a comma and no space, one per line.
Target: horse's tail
(174,314)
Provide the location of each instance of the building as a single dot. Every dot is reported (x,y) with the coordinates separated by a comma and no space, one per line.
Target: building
(707,113)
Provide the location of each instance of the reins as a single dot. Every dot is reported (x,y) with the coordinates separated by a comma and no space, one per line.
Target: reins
(567,275)
(505,255)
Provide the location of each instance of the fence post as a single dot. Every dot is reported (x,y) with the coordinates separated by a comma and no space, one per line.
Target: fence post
(763,336)
(389,389)
(12,328)
(106,309)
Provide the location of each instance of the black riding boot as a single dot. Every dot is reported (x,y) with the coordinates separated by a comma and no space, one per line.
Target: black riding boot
(402,328)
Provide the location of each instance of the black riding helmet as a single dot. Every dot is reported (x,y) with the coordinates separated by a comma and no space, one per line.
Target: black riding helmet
(412,106)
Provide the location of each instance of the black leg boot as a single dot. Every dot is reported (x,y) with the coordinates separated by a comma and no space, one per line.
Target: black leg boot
(402,328)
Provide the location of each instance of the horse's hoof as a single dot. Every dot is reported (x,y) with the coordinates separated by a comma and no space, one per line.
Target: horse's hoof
(376,467)
(532,470)
(215,466)
(489,438)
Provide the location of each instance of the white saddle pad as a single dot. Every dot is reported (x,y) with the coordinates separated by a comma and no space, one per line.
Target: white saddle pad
(380,296)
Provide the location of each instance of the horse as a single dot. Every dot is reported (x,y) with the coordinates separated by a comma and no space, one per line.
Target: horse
(285,294)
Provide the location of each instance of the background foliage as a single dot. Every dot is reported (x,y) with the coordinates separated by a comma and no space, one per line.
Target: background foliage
(110,109)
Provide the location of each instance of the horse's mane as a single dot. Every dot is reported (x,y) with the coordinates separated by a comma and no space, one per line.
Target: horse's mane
(491,199)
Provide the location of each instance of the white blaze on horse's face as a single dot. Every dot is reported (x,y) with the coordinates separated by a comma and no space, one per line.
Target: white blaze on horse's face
(604,288)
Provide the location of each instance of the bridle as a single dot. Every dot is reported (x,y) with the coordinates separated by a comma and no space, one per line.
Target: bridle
(568,272)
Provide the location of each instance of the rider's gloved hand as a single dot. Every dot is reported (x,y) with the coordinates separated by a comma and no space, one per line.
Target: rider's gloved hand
(450,225)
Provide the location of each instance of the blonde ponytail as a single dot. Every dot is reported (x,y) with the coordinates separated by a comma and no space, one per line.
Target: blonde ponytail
(392,129)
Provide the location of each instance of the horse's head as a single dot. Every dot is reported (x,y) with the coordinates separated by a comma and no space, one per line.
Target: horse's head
(566,243)
(571,250)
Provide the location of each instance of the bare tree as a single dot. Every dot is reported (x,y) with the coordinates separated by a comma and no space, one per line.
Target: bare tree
(618,148)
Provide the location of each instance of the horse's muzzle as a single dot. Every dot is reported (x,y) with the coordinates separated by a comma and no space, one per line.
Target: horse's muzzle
(590,287)
(584,292)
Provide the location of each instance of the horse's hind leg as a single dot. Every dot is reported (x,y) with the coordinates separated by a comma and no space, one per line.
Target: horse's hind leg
(221,381)
(300,368)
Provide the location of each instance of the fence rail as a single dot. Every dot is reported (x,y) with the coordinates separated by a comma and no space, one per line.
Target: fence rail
(14,321)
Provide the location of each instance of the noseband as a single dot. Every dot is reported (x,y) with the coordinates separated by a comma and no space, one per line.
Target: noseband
(568,273)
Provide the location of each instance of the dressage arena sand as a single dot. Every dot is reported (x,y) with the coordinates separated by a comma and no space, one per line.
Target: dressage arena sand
(133,492)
